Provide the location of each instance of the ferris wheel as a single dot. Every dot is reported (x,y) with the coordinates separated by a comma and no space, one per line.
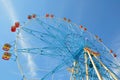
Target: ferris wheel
(49,48)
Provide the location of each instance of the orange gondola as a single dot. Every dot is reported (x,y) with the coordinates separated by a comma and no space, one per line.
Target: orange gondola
(6,56)
(111,51)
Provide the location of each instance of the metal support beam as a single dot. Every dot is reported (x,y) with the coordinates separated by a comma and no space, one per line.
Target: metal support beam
(86,66)
(110,72)
(95,68)
(73,71)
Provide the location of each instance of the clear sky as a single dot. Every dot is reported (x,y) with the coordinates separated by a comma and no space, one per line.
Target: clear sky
(101,17)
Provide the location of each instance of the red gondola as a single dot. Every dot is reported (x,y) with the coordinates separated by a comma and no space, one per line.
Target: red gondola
(85,29)
(114,55)
(29,17)
(81,26)
(64,18)
(51,15)
(13,29)
(47,15)
(17,24)
(34,16)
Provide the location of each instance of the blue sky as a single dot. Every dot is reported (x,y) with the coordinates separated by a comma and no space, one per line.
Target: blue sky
(101,17)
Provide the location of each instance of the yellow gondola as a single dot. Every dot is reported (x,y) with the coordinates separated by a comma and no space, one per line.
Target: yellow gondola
(6,47)
(6,56)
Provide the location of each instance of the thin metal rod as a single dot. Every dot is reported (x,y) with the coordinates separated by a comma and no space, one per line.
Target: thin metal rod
(71,77)
(110,72)
(86,66)
(94,66)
